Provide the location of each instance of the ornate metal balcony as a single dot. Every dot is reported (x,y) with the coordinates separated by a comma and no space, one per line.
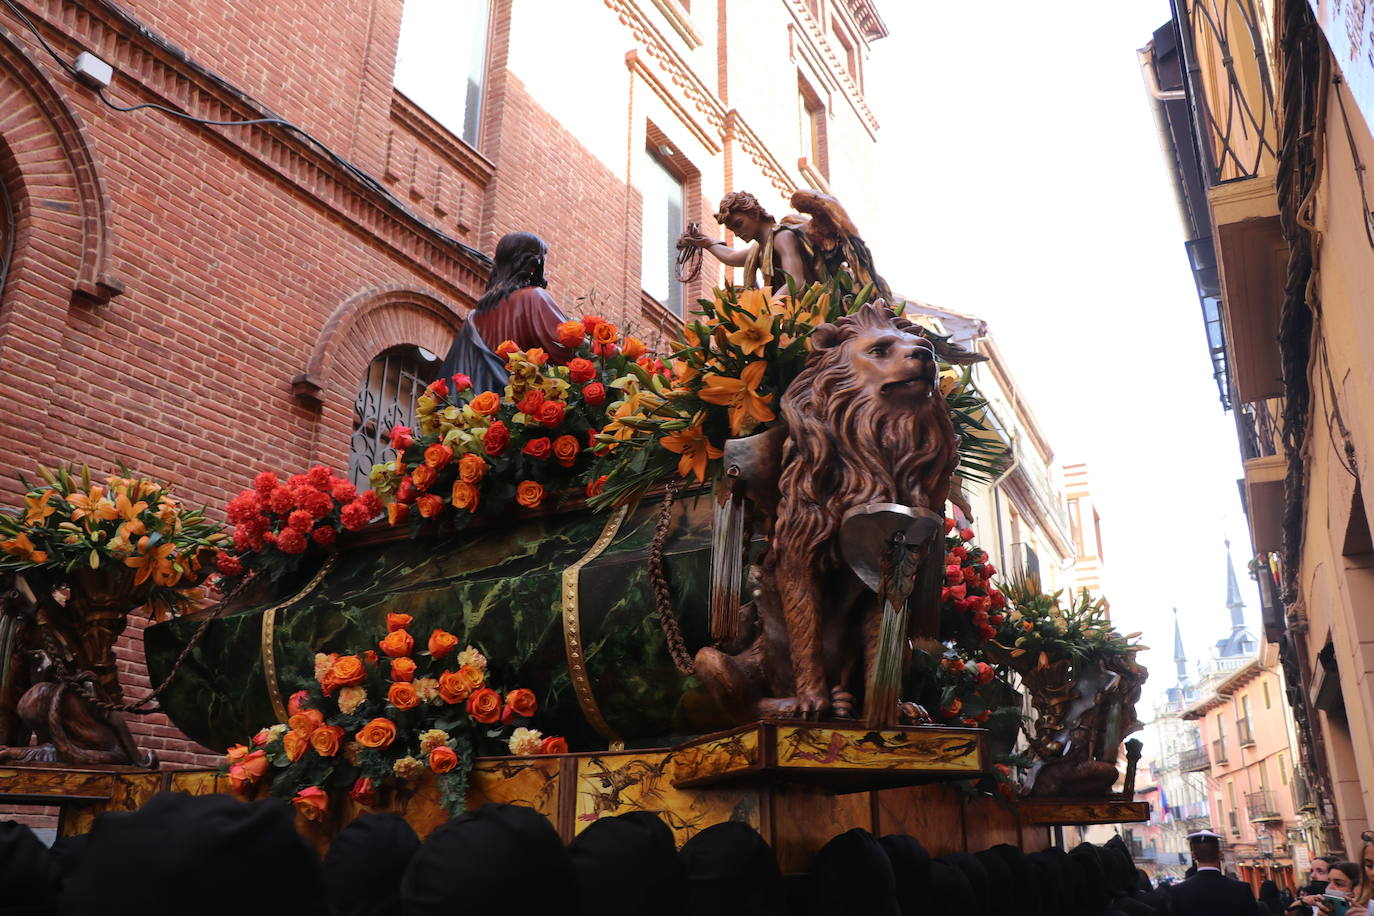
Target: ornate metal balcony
(1261,806)
(1194,760)
(1304,797)
(1247,737)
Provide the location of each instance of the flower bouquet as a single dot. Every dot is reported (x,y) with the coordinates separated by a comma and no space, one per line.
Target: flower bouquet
(382,717)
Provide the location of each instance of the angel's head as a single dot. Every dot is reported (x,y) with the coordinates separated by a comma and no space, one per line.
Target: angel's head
(742,214)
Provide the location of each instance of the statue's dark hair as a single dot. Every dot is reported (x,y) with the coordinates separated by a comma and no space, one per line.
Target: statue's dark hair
(519,262)
(742,202)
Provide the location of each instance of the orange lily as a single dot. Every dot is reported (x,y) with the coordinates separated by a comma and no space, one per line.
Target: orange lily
(39,508)
(92,504)
(21,546)
(740,395)
(760,304)
(753,335)
(696,450)
(151,561)
(129,510)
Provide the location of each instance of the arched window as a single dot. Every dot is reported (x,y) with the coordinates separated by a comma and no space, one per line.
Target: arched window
(386,398)
(7,233)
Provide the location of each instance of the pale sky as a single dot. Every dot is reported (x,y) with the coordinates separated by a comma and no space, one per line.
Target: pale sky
(1028,188)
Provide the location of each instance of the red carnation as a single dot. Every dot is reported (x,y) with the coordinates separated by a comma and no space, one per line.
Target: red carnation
(316,503)
(245,539)
(296,481)
(320,477)
(355,515)
(228,564)
(343,491)
(289,540)
(323,535)
(581,370)
(244,506)
(496,439)
(301,520)
(265,483)
(551,414)
(594,394)
(402,437)
(372,501)
(461,382)
(536,448)
(280,501)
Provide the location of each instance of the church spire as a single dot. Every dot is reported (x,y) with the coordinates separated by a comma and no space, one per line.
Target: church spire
(1180,658)
(1233,599)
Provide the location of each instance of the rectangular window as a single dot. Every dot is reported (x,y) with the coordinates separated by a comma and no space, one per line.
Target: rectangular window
(441,59)
(811,116)
(845,49)
(1266,694)
(662,224)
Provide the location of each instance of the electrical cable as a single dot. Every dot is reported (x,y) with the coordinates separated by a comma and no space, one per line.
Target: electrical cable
(362,177)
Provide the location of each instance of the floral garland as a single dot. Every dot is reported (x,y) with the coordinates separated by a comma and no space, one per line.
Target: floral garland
(380,718)
(276,521)
(128,527)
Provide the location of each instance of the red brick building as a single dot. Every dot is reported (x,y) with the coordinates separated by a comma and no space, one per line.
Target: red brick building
(202,302)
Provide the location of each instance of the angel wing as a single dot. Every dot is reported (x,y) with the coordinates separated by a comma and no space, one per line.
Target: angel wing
(836,240)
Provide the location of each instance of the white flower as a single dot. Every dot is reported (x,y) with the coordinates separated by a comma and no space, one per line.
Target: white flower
(524,742)
(471,656)
(431,739)
(350,698)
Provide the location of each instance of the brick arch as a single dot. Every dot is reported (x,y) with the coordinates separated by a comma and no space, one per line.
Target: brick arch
(358,330)
(53,176)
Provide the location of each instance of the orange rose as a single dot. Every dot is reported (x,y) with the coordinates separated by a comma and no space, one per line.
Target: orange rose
(396,513)
(471,469)
(397,643)
(346,671)
(398,622)
(473,676)
(402,695)
(306,721)
(465,495)
(633,348)
(605,333)
(485,705)
(423,477)
(255,765)
(297,701)
(537,356)
(453,687)
(429,505)
(506,348)
(441,643)
(326,740)
(570,334)
(595,487)
(442,759)
(529,493)
(377,733)
(295,744)
(402,669)
(522,702)
(438,456)
(486,403)
(553,745)
(311,803)
(235,754)
(565,449)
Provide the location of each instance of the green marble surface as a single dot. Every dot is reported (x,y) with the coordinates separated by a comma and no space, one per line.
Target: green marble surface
(497,589)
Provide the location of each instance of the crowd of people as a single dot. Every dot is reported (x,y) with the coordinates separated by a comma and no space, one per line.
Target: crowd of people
(213,854)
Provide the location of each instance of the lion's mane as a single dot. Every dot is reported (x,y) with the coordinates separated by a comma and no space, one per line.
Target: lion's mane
(846,447)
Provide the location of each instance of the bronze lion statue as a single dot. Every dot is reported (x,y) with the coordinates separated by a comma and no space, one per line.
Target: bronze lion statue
(865,423)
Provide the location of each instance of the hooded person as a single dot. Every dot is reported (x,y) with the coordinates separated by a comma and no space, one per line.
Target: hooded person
(1045,874)
(978,878)
(1096,893)
(483,861)
(910,871)
(363,869)
(69,851)
(854,875)
(1025,883)
(731,871)
(1269,896)
(30,879)
(950,890)
(1068,879)
(1003,894)
(628,865)
(204,854)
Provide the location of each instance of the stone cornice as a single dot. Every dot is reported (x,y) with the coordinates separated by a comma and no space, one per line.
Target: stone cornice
(158,71)
(848,87)
(707,137)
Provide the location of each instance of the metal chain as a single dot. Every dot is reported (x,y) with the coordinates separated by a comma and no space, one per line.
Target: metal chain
(663,599)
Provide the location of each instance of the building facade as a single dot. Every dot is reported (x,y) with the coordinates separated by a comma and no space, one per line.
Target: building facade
(202,301)
(1264,112)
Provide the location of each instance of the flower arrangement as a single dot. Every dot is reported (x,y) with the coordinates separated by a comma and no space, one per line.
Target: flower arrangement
(1082,632)
(128,528)
(276,521)
(972,608)
(537,440)
(384,716)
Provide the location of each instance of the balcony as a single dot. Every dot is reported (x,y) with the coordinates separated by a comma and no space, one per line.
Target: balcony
(1261,806)
(1194,760)
(1304,797)
(1259,426)
(1219,752)
(1247,738)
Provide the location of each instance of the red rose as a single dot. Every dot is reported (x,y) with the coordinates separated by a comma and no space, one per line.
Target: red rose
(531,402)
(594,394)
(538,448)
(984,675)
(966,534)
(364,792)
(997,619)
(581,370)
(553,745)
(496,438)
(461,382)
(406,492)
(565,450)
(551,414)
(949,525)
(953,574)
(289,540)
(998,600)
(595,487)
(438,388)
(402,437)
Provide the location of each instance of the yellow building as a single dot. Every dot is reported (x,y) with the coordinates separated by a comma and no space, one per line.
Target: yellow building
(1264,111)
